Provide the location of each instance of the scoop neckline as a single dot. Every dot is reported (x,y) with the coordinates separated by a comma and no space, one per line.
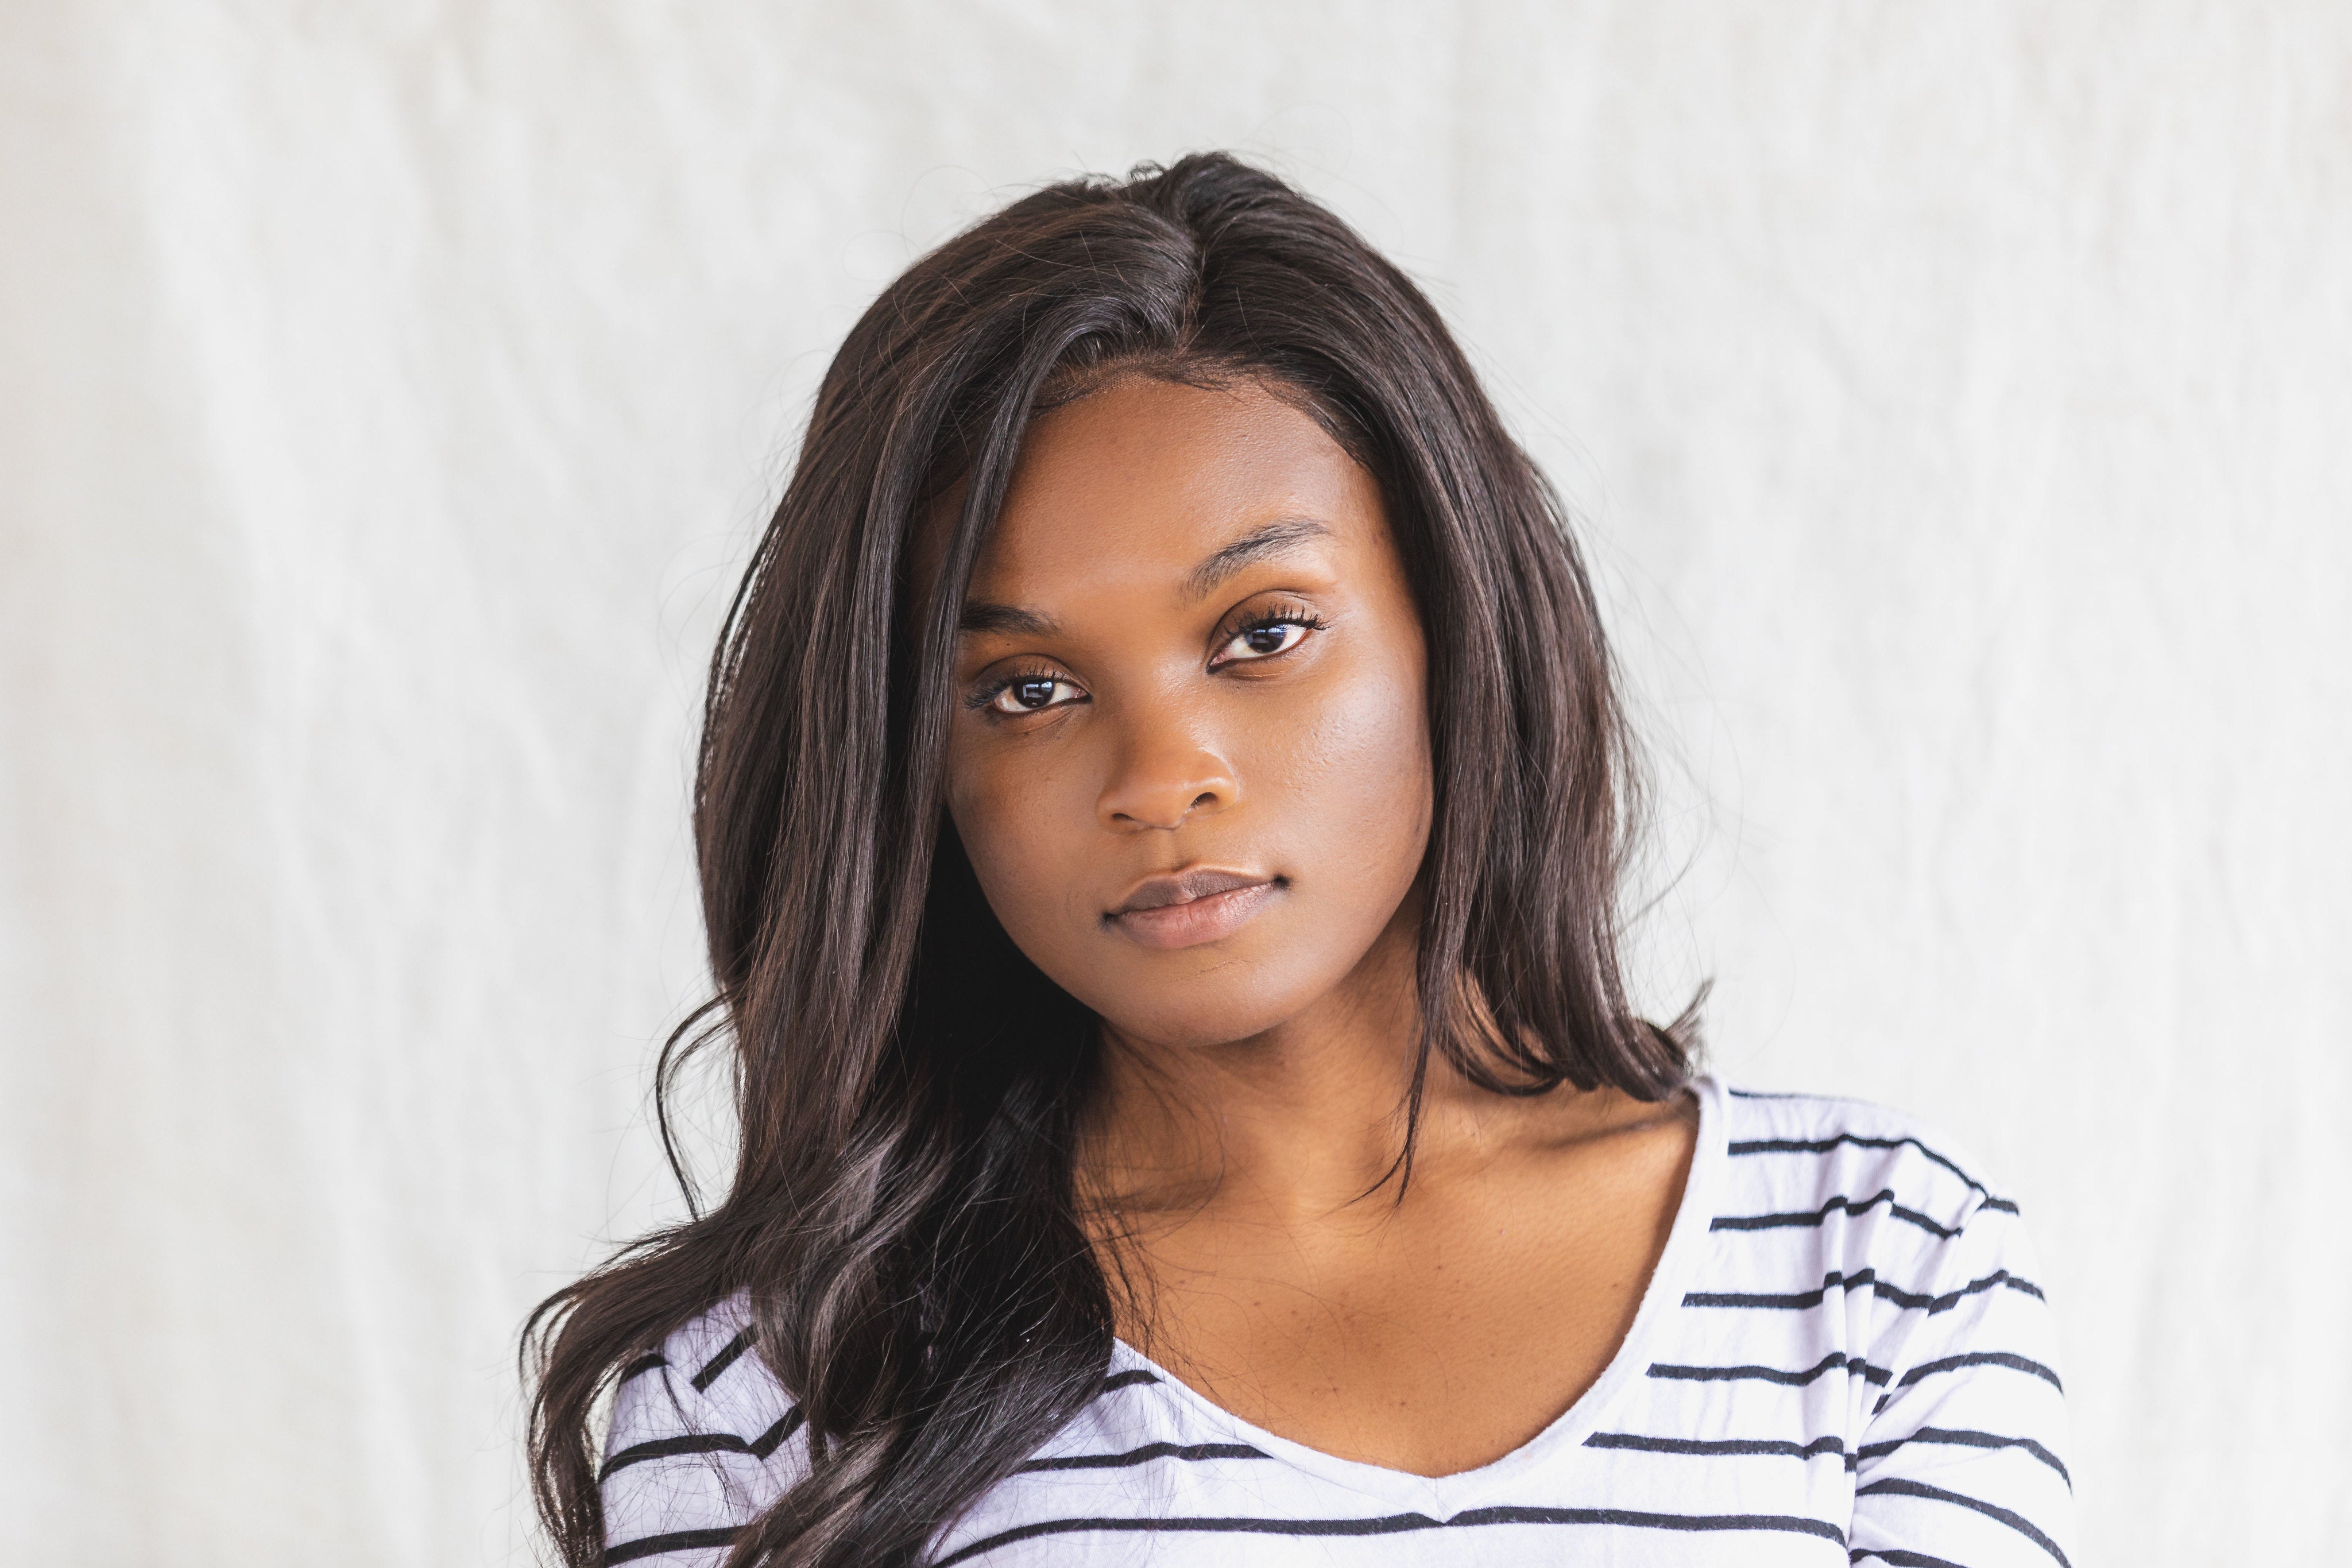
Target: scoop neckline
(1660,1298)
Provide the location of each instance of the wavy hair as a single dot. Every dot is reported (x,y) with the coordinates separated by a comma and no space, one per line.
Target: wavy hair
(902,1215)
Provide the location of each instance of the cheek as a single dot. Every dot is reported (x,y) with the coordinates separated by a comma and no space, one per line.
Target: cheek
(1351,776)
(1022,818)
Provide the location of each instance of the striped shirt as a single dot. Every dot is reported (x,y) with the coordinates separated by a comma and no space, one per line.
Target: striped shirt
(1843,1355)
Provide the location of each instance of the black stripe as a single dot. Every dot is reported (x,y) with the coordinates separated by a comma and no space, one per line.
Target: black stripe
(1148,1452)
(1901,1559)
(1970,1440)
(722,1361)
(640,1366)
(2016,1521)
(1815,1217)
(665,1447)
(768,1441)
(1626,1518)
(1708,1447)
(1975,1358)
(1401,1524)
(759,1448)
(678,1541)
(1824,1146)
(1118,1380)
(1833,1281)
(1830,1362)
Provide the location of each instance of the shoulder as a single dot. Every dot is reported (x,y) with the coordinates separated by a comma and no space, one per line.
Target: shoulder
(712,1354)
(1853,1158)
(702,1435)
(1924,1252)
(706,1377)
(1871,1198)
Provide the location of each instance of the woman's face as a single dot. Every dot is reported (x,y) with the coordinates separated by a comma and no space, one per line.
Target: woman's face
(1191,764)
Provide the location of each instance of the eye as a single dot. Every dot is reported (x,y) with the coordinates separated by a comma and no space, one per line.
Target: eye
(1267,638)
(1031,694)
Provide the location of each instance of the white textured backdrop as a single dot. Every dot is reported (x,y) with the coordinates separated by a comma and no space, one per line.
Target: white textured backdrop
(1959,393)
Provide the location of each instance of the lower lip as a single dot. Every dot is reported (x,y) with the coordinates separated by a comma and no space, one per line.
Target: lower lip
(1190,924)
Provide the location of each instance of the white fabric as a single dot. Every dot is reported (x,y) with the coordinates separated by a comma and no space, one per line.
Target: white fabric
(1956,390)
(1843,1354)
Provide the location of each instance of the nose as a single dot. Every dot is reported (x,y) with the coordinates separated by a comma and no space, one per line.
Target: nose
(1163,781)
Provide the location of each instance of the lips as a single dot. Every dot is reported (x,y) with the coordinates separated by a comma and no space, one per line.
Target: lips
(1189,909)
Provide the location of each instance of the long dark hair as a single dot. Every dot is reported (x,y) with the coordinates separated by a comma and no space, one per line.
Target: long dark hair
(902,1216)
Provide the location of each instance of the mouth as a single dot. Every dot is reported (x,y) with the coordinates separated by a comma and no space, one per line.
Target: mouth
(1189,909)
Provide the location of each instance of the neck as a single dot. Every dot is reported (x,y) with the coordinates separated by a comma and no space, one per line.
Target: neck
(1295,1123)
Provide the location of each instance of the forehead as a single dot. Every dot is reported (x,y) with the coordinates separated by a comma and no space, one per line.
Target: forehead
(1148,476)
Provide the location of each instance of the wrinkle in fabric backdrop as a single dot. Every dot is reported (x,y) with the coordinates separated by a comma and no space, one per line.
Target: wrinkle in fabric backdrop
(1956,396)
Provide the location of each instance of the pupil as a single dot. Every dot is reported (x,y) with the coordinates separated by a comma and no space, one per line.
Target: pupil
(1265,640)
(1034,694)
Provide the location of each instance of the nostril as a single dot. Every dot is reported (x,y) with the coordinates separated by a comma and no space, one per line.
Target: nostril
(1164,790)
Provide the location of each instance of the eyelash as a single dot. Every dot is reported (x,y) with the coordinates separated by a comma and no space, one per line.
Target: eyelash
(1296,615)
(983,699)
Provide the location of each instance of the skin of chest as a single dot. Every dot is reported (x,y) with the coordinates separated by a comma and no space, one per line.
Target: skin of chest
(1432,1335)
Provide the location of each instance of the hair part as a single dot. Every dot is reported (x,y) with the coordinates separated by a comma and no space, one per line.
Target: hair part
(902,1216)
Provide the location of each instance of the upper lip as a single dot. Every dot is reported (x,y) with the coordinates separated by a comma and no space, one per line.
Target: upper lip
(1183,887)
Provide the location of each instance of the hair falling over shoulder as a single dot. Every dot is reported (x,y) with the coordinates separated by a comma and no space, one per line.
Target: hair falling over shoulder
(902,1216)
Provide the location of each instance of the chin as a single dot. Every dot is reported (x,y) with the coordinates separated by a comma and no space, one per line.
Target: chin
(1185,1024)
(1220,998)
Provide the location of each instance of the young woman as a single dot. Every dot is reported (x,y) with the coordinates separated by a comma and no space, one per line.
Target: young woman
(1158,811)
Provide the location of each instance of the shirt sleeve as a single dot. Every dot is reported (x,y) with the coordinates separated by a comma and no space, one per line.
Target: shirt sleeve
(1962,1459)
(700,1444)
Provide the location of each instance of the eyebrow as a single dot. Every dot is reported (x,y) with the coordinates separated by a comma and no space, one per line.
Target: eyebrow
(1282,534)
(979,615)
(982,617)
